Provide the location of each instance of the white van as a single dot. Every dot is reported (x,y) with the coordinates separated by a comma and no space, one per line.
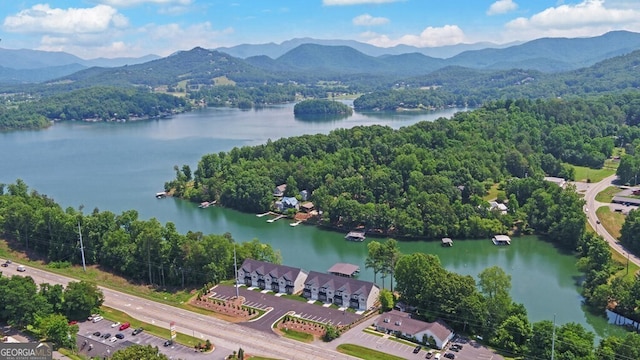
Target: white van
(437,357)
(21,268)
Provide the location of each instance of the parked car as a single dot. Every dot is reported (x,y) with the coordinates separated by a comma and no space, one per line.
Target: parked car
(92,316)
(113,339)
(417,349)
(429,354)
(97,333)
(73,322)
(120,335)
(21,268)
(137,331)
(168,343)
(106,335)
(450,355)
(97,318)
(124,326)
(6,263)
(115,324)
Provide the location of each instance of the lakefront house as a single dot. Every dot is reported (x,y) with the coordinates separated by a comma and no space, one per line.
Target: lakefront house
(401,324)
(342,291)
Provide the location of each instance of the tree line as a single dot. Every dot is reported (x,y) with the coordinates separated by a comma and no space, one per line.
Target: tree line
(141,251)
(321,107)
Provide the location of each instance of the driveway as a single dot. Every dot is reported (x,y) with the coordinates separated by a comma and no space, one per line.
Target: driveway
(280,306)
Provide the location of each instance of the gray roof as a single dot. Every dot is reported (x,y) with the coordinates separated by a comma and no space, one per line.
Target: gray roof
(399,321)
(340,283)
(343,269)
(625,199)
(276,271)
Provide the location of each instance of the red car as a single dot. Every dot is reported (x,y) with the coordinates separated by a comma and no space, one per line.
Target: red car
(73,322)
(124,326)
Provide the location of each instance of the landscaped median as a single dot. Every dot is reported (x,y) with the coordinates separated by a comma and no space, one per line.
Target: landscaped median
(365,353)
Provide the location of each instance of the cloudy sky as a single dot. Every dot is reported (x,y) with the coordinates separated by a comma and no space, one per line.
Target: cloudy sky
(116,28)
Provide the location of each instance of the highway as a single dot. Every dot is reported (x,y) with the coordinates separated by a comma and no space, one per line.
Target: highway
(220,333)
(590,208)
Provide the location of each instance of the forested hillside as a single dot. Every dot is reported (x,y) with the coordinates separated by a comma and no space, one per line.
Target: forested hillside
(93,104)
(427,180)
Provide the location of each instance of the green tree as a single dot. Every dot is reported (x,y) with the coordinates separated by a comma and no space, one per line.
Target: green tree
(139,352)
(374,259)
(386,300)
(330,333)
(495,284)
(81,299)
(55,328)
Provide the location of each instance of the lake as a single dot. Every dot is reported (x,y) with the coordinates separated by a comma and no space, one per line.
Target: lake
(121,166)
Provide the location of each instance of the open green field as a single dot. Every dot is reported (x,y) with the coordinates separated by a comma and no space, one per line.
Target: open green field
(586,174)
(611,221)
(365,353)
(607,194)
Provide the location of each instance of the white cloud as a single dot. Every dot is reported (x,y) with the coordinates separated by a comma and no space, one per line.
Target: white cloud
(588,18)
(41,18)
(368,20)
(501,7)
(429,37)
(130,3)
(354,2)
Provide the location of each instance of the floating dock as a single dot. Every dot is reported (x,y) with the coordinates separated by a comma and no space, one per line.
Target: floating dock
(447,242)
(296,223)
(355,236)
(501,240)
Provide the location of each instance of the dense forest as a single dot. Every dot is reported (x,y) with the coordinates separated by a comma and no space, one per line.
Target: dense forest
(428,180)
(321,107)
(142,251)
(92,104)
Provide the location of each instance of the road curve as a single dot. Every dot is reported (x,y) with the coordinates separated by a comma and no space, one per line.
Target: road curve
(592,205)
(221,333)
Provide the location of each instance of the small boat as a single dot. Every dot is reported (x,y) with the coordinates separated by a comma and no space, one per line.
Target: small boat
(161,195)
(501,240)
(355,236)
(204,204)
(447,242)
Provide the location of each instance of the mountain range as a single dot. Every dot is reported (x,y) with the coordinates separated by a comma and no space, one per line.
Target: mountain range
(308,62)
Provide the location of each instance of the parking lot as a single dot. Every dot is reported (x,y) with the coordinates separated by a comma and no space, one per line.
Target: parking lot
(91,345)
(280,306)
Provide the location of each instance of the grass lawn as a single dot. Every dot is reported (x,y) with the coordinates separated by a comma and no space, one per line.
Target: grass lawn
(293,297)
(607,194)
(586,174)
(68,353)
(366,353)
(493,193)
(161,332)
(621,260)
(610,220)
(297,335)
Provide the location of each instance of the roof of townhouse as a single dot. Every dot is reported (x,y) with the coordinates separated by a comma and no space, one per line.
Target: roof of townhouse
(275,270)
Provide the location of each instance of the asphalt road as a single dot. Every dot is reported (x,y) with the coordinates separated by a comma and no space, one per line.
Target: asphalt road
(592,205)
(222,334)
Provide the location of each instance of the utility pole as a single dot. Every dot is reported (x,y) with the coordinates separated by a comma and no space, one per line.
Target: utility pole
(235,265)
(627,263)
(553,337)
(84,266)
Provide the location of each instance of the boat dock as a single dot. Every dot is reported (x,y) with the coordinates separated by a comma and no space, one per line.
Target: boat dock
(161,195)
(355,236)
(296,223)
(206,204)
(501,240)
(447,242)
(344,269)
(276,218)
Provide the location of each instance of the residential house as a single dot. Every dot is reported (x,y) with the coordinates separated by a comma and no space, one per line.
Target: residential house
(495,206)
(304,195)
(339,290)
(401,324)
(287,203)
(307,206)
(279,190)
(268,276)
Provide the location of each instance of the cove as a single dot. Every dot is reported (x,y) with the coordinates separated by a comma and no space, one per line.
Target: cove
(118,167)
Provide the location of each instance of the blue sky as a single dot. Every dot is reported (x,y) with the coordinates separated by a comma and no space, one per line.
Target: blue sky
(116,28)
